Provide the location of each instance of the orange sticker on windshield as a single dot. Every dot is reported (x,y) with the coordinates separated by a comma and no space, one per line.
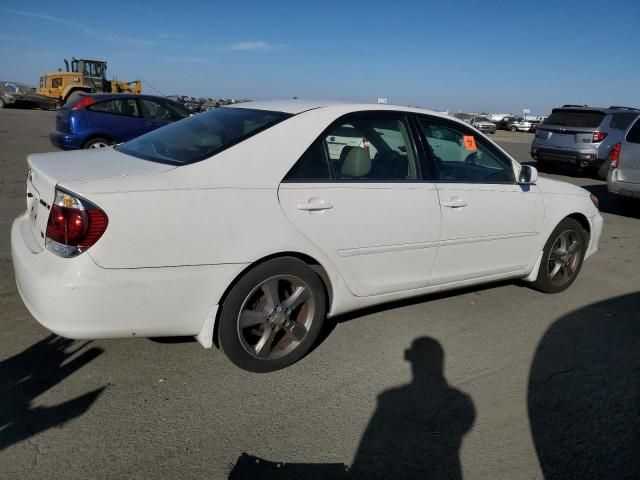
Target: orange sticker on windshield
(469,142)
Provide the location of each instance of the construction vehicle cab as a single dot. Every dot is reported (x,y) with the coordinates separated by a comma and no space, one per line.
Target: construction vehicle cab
(83,75)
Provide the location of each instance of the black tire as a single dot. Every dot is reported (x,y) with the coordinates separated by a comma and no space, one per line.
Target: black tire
(601,172)
(244,345)
(97,143)
(1,103)
(552,284)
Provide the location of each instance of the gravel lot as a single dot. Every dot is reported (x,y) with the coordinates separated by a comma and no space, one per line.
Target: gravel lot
(532,386)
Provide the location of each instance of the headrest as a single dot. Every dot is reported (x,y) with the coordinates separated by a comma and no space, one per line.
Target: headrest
(357,163)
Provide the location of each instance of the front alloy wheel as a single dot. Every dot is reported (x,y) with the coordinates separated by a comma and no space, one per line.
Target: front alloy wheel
(562,257)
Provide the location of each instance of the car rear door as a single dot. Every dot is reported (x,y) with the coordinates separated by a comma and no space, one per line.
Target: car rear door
(358,194)
(118,118)
(629,163)
(491,225)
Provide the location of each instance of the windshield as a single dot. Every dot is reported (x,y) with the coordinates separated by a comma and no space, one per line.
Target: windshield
(201,136)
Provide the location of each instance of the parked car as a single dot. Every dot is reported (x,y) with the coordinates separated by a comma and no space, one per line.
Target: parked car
(19,95)
(99,120)
(505,122)
(623,178)
(582,136)
(524,126)
(483,124)
(242,223)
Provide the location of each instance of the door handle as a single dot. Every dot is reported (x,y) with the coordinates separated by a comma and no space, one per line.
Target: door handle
(455,202)
(314,205)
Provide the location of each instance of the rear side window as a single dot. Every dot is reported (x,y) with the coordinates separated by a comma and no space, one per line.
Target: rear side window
(121,106)
(575,118)
(201,136)
(634,134)
(360,148)
(620,121)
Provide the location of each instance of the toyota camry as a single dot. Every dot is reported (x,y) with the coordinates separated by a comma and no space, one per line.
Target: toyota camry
(247,226)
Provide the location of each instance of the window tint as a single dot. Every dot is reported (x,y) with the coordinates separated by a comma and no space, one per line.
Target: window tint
(361,149)
(371,149)
(462,156)
(621,121)
(121,106)
(634,134)
(312,166)
(154,110)
(575,118)
(201,136)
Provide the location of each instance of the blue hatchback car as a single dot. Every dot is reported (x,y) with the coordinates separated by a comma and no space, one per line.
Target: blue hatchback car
(100,120)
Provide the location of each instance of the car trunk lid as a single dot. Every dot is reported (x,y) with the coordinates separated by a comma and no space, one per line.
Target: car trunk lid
(47,170)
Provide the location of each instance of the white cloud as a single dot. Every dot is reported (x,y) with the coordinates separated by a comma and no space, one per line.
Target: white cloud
(251,46)
(107,36)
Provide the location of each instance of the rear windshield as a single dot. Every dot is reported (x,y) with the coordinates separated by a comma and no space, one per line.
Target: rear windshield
(201,136)
(575,118)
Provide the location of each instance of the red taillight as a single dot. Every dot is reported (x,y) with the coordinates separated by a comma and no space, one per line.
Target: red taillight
(598,136)
(74,225)
(614,156)
(83,102)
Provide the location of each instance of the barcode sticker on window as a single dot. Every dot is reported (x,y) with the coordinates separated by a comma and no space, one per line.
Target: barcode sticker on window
(469,142)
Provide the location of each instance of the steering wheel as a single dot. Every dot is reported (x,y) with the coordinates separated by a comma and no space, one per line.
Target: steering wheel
(472,159)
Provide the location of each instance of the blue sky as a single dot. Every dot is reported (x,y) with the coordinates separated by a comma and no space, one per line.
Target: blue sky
(456,55)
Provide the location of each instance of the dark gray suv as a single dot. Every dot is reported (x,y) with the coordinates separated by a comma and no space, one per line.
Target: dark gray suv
(581,135)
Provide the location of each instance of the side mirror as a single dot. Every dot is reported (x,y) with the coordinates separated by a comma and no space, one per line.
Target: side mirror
(528,175)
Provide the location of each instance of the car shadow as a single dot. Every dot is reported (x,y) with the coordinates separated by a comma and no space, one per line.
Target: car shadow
(415,432)
(615,206)
(32,372)
(584,393)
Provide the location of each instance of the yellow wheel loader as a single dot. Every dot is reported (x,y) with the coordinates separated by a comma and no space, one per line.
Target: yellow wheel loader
(82,75)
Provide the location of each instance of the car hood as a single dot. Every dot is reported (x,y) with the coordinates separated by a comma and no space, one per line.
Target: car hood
(92,164)
(547,185)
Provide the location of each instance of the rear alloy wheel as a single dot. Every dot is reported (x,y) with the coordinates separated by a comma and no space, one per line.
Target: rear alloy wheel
(562,257)
(272,316)
(513,129)
(97,143)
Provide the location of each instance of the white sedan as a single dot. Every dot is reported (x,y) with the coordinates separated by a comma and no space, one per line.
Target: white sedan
(249,225)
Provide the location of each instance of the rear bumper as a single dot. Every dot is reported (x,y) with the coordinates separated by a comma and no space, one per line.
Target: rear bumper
(596,232)
(582,158)
(626,189)
(66,141)
(75,298)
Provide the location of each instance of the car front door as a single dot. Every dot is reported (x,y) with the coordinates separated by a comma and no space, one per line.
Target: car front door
(158,114)
(629,163)
(358,194)
(491,225)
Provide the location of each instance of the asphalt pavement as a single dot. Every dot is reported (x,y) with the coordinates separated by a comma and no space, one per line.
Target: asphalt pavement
(499,382)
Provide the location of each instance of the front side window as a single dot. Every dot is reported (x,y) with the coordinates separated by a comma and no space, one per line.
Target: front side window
(161,111)
(634,133)
(361,148)
(201,136)
(122,106)
(461,156)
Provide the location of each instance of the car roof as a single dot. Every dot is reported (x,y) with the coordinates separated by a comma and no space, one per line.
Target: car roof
(295,106)
(605,110)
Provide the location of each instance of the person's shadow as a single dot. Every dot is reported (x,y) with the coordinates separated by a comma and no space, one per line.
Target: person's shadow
(32,372)
(584,393)
(415,432)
